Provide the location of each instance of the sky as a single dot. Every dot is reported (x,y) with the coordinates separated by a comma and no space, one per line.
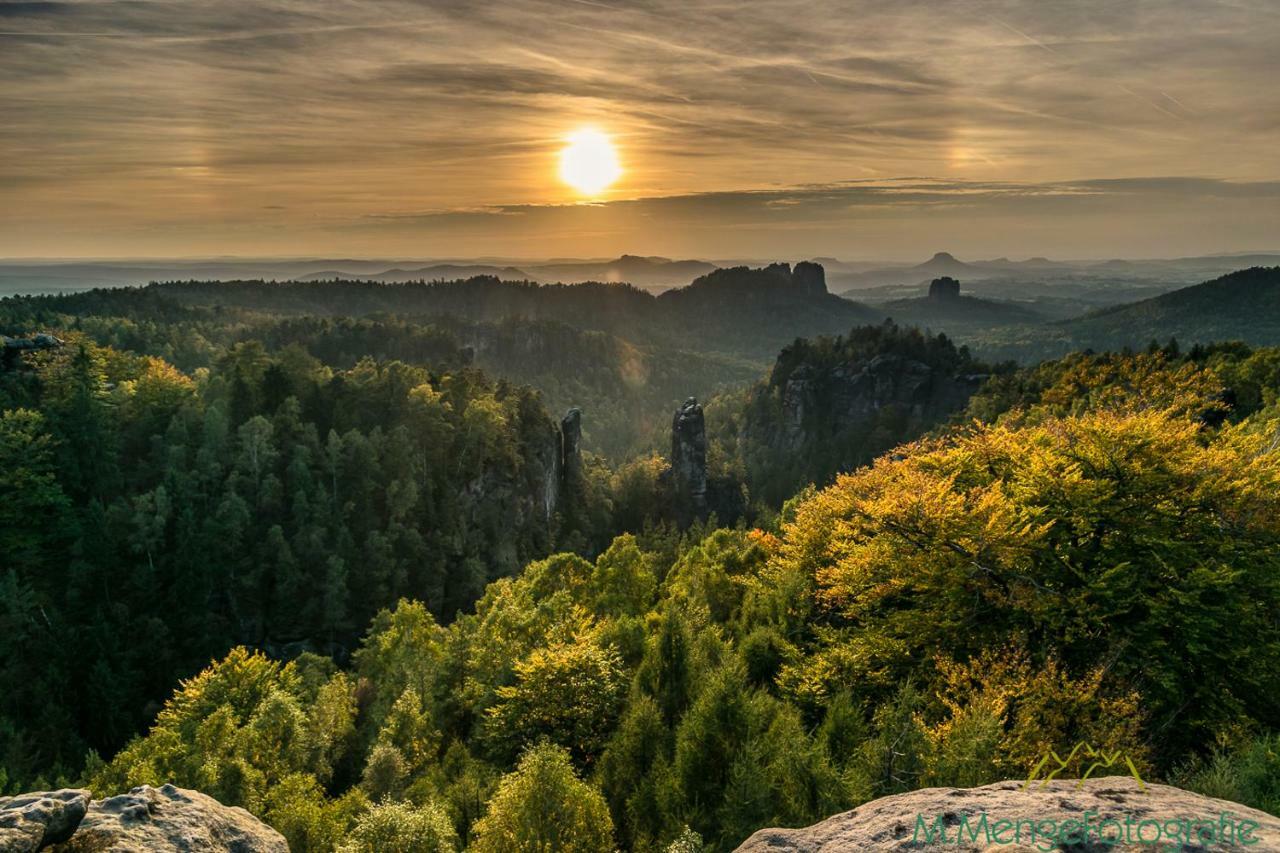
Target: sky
(869,129)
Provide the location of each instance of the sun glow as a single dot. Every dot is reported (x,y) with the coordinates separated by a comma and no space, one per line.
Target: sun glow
(589,163)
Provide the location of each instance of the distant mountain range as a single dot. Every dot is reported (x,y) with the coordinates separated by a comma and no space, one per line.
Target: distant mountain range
(738,312)
(648,273)
(435,272)
(652,273)
(885,282)
(1240,306)
(1060,288)
(1243,306)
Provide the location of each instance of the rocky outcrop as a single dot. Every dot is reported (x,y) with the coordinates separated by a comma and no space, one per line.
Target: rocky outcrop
(809,278)
(777,279)
(689,457)
(833,404)
(693,493)
(1064,815)
(11,348)
(849,394)
(152,819)
(945,288)
(571,447)
(31,822)
(41,341)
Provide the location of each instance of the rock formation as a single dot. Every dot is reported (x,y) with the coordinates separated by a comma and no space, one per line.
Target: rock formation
(152,819)
(849,394)
(11,348)
(776,279)
(810,278)
(31,822)
(41,341)
(571,446)
(689,457)
(944,288)
(1115,808)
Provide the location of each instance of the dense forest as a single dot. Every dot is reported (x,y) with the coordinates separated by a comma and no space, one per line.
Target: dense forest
(328,569)
(623,384)
(620,353)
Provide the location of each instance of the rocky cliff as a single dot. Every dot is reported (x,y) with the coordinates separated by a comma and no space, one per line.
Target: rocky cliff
(571,448)
(690,488)
(689,456)
(832,404)
(1060,816)
(835,398)
(151,819)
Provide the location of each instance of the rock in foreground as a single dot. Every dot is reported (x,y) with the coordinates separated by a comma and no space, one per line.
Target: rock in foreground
(30,822)
(151,819)
(169,818)
(1159,818)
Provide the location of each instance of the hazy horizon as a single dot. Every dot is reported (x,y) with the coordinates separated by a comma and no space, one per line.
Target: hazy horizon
(491,260)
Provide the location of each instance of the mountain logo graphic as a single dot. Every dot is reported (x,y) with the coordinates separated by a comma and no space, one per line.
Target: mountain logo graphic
(1055,764)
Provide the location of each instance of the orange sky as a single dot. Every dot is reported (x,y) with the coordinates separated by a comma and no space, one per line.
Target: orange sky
(1091,128)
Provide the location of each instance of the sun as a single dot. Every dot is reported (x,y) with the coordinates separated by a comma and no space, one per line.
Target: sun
(589,162)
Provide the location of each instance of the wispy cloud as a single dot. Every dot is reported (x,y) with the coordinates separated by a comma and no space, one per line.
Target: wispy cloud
(144,117)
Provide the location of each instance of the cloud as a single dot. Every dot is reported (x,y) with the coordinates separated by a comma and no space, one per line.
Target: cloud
(905,217)
(165,113)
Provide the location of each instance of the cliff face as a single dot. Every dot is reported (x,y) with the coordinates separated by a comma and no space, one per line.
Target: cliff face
(689,456)
(756,312)
(1116,808)
(152,819)
(832,404)
(833,399)
(571,448)
(529,499)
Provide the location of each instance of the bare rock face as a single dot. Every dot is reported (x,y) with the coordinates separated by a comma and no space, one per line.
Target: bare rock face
(850,394)
(1059,816)
(571,445)
(689,455)
(30,822)
(170,819)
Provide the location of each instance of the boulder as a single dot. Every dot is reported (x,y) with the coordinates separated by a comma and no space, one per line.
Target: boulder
(30,822)
(1063,815)
(169,819)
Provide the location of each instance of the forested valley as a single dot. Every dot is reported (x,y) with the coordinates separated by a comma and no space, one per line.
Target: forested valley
(344,555)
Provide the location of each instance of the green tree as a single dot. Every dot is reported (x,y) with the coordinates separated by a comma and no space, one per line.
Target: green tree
(569,692)
(402,828)
(34,513)
(543,806)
